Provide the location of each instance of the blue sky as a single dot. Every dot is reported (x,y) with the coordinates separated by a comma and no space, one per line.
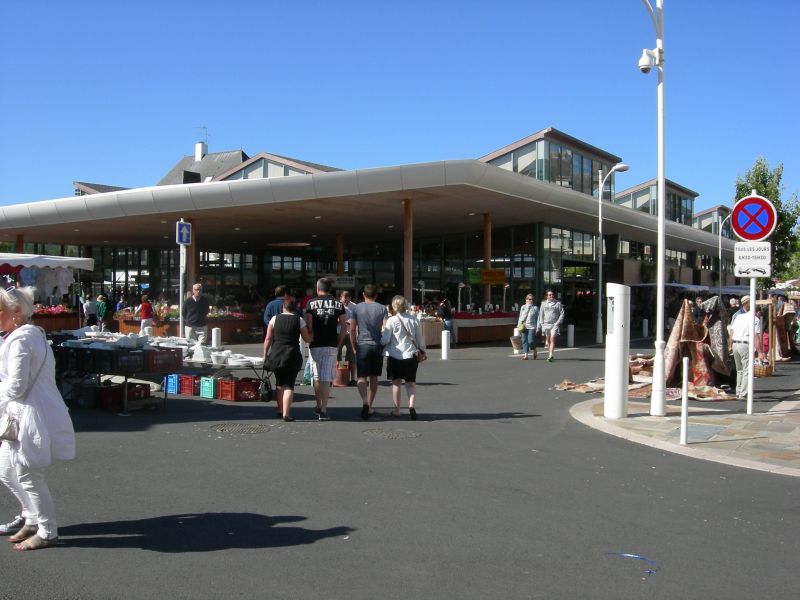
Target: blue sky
(115,93)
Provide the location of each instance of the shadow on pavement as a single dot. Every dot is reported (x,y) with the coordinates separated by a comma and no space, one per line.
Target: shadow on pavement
(199,532)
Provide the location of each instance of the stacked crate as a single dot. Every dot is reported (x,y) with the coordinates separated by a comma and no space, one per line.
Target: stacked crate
(239,390)
(172,383)
(189,385)
(208,387)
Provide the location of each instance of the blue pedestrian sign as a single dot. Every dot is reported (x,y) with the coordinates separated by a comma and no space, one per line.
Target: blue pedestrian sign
(183,233)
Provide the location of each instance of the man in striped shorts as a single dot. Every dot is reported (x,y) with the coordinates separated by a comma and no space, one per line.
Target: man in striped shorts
(324,314)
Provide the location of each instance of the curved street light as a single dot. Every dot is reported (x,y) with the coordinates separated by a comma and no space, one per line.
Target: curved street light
(617,168)
(721,226)
(649,60)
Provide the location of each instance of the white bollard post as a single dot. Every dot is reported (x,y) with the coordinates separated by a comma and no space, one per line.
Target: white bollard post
(216,337)
(685,402)
(645,328)
(445,344)
(570,336)
(618,342)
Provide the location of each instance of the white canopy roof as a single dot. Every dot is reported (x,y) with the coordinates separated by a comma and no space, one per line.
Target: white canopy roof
(43,260)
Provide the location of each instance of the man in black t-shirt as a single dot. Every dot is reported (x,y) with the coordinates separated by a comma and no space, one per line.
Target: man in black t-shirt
(325,317)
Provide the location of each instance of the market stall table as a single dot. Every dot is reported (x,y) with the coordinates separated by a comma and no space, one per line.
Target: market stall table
(487,327)
(78,361)
(432,331)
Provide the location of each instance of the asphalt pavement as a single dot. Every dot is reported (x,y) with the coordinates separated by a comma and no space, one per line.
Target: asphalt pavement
(496,491)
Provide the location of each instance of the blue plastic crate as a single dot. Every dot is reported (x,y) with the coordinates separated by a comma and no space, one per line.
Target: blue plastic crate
(172,383)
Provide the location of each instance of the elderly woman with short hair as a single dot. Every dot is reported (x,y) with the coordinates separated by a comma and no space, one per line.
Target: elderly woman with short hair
(29,394)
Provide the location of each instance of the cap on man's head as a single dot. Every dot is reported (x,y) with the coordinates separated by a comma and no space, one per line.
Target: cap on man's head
(745,299)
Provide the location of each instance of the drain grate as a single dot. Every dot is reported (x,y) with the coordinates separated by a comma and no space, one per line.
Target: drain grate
(240,428)
(390,434)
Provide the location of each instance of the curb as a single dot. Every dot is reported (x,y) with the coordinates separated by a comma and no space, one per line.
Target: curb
(583,412)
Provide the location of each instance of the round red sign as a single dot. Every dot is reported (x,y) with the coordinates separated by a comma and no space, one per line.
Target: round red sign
(754,218)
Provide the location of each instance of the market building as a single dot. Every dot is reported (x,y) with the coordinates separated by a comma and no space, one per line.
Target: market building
(523,217)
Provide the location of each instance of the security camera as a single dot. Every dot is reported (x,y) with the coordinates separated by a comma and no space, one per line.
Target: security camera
(646,61)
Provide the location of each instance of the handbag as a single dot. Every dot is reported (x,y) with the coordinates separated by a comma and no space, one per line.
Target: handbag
(9,428)
(420,354)
(521,327)
(265,387)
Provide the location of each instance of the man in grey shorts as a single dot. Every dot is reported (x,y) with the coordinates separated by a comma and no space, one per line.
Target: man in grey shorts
(551,315)
(366,325)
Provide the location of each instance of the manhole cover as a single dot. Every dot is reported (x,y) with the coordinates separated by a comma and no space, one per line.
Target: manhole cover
(240,428)
(390,434)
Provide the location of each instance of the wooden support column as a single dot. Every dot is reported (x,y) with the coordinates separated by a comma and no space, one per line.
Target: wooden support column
(408,249)
(339,254)
(487,254)
(19,245)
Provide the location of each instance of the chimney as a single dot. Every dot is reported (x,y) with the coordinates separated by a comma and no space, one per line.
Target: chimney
(200,150)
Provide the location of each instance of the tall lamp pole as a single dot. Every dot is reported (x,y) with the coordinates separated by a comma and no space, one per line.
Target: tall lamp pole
(648,60)
(721,225)
(617,168)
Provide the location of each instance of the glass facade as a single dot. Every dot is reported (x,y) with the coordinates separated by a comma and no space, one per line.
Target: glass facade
(709,220)
(559,164)
(679,207)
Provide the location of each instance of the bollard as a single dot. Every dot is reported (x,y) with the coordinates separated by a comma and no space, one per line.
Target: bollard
(216,337)
(445,344)
(517,346)
(570,336)
(685,402)
(615,403)
(645,328)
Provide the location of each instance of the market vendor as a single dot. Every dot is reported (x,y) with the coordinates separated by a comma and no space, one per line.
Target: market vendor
(195,315)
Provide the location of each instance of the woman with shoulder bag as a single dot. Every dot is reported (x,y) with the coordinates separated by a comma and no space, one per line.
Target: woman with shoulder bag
(282,353)
(405,348)
(42,429)
(528,318)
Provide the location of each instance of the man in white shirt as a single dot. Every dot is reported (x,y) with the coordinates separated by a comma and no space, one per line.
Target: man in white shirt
(740,339)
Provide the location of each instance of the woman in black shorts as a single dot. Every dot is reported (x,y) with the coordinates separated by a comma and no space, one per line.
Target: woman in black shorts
(402,339)
(282,353)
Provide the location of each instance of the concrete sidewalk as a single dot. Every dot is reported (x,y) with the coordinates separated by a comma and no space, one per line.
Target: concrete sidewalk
(768,441)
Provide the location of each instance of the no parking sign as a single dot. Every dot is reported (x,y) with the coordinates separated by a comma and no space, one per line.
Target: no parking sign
(754,218)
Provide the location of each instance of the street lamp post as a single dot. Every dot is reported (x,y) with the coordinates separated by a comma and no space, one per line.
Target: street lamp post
(721,225)
(617,168)
(648,60)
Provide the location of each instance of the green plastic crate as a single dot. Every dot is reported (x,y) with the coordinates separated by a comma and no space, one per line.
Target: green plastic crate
(208,387)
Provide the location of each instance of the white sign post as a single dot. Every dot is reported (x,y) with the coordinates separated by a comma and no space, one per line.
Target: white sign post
(753,219)
(183,236)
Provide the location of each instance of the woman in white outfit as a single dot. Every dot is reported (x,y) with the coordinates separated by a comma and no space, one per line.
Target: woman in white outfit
(402,339)
(28,392)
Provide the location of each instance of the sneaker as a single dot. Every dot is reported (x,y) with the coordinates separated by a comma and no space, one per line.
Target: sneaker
(12,526)
(323,416)
(317,410)
(550,358)
(353,383)
(365,411)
